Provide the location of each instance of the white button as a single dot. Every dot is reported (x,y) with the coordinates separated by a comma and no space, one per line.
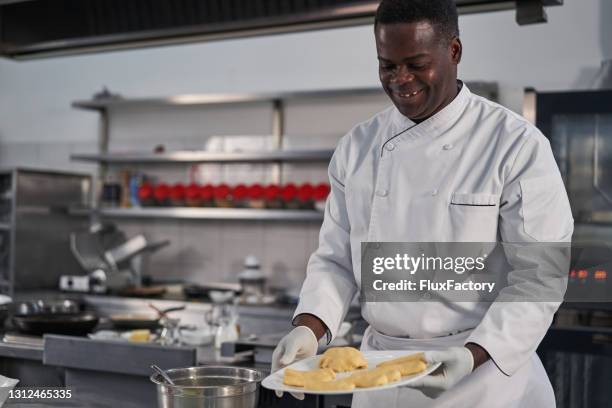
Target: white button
(390,146)
(382,193)
(447,146)
(434,192)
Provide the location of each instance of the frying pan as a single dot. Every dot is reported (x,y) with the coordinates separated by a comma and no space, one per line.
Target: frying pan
(76,324)
(61,316)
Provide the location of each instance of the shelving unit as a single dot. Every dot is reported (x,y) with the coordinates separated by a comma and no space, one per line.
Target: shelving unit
(276,157)
(204,213)
(192,157)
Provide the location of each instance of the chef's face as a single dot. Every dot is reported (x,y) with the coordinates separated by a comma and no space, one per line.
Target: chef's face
(417,67)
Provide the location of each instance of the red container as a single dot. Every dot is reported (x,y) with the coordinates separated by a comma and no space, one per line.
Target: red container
(161,194)
(320,192)
(289,196)
(221,194)
(272,195)
(305,196)
(319,195)
(207,195)
(255,196)
(177,195)
(192,195)
(145,194)
(239,195)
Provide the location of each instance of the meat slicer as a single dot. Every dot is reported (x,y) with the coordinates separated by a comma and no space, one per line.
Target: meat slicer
(110,261)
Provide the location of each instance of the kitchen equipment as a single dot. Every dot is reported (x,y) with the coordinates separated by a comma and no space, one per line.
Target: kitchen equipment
(252,281)
(36,224)
(111,261)
(60,316)
(44,307)
(151,321)
(208,387)
(578,125)
(132,321)
(5,303)
(76,324)
(163,374)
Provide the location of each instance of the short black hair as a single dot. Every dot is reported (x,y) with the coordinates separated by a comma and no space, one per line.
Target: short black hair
(442,14)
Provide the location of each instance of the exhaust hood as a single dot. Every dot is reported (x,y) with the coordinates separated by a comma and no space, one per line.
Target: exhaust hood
(39,28)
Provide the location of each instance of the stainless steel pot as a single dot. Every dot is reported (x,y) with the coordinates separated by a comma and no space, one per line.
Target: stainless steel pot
(209,387)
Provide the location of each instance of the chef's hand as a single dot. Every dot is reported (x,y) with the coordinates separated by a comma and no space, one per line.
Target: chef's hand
(300,343)
(457,362)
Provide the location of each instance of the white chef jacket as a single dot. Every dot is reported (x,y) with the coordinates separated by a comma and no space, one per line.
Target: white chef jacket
(474,171)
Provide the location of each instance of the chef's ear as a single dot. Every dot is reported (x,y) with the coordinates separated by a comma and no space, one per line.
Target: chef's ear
(456,49)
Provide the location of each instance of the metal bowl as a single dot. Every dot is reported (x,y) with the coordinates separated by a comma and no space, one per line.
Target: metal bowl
(208,387)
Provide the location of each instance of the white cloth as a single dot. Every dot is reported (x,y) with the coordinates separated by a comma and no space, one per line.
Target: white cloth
(474,171)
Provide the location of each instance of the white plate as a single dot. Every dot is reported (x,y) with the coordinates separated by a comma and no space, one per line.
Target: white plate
(275,380)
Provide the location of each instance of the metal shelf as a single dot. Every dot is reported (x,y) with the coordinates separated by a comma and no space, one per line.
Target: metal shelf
(5,226)
(210,157)
(215,99)
(204,213)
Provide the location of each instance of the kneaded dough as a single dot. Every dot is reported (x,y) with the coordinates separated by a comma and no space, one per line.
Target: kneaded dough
(375,377)
(296,378)
(341,359)
(344,384)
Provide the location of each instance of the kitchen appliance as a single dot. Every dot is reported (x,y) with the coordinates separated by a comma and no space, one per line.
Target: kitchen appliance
(209,387)
(252,281)
(111,261)
(35,224)
(578,125)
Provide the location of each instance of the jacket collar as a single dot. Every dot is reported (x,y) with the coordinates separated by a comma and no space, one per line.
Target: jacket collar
(435,124)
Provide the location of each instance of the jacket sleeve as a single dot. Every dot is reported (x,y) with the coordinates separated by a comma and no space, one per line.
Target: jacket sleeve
(535,227)
(330,285)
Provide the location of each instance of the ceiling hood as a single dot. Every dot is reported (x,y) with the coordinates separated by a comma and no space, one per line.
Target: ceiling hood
(40,28)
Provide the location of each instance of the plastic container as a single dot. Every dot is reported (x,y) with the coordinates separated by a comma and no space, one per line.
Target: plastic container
(145,194)
(289,196)
(272,195)
(161,194)
(305,196)
(207,195)
(319,195)
(222,196)
(177,195)
(240,196)
(192,195)
(255,196)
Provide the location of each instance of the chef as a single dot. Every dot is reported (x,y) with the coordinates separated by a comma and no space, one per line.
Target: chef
(440,165)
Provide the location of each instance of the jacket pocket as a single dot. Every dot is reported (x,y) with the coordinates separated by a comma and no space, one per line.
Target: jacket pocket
(547,215)
(475,199)
(474,216)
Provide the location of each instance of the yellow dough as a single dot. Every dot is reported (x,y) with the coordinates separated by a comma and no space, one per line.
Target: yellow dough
(407,367)
(341,359)
(335,385)
(375,377)
(297,378)
(405,359)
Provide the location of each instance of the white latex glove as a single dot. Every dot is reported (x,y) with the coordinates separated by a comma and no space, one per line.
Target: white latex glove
(300,343)
(457,362)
